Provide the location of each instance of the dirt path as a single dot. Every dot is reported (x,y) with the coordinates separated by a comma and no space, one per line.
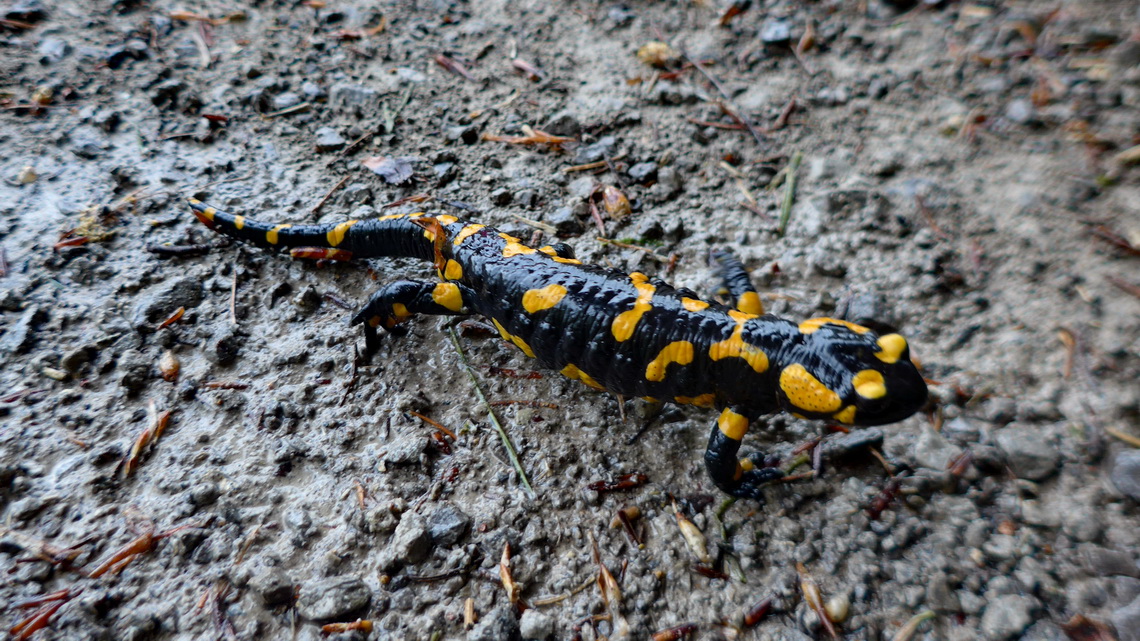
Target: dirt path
(967,177)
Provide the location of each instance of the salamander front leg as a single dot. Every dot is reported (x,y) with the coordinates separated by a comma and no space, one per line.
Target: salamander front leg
(738,284)
(398,301)
(740,478)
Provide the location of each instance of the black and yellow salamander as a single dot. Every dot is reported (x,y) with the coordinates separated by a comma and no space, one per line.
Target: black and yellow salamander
(625,333)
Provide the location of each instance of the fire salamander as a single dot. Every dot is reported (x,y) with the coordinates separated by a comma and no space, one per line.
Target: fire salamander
(626,333)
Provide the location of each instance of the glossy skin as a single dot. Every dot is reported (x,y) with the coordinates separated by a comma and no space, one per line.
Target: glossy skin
(624,332)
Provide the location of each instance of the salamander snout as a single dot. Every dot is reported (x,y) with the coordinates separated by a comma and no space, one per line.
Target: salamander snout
(844,372)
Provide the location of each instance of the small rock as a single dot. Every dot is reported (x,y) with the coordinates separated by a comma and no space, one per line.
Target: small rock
(1126,473)
(224,345)
(1021,111)
(447,524)
(467,134)
(351,97)
(409,544)
(603,148)
(502,197)
(498,625)
(669,184)
(26,11)
(563,123)
(564,221)
(1103,562)
(405,450)
(273,586)
(19,337)
(286,100)
(329,139)
(581,187)
(52,50)
(1027,453)
(643,172)
(74,358)
(164,95)
(1127,621)
(134,370)
(536,625)
(827,168)
(939,596)
(1007,616)
(934,452)
(776,31)
(335,598)
(527,198)
(313,92)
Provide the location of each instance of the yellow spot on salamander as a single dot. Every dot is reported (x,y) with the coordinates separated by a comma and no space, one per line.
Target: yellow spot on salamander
(271,235)
(209,212)
(704,400)
(520,343)
(749,303)
(336,235)
(509,238)
(679,352)
(446,219)
(548,250)
(891,348)
(806,391)
(573,373)
(868,383)
(400,311)
(736,347)
(392,216)
(514,248)
(239,222)
(812,324)
(448,296)
(732,425)
(453,270)
(568,261)
(638,277)
(627,321)
(846,415)
(536,300)
(465,233)
(693,305)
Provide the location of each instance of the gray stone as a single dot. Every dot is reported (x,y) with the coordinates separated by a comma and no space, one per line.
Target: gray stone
(776,31)
(134,370)
(1126,473)
(827,168)
(1021,111)
(528,198)
(1007,616)
(52,50)
(223,347)
(564,221)
(536,625)
(1028,454)
(405,450)
(286,100)
(1044,631)
(934,452)
(603,148)
(939,596)
(1104,562)
(164,300)
(272,585)
(467,134)
(643,172)
(447,524)
(352,96)
(329,139)
(498,625)
(1082,523)
(335,598)
(26,11)
(19,337)
(563,123)
(581,187)
(312,91)
(409,544)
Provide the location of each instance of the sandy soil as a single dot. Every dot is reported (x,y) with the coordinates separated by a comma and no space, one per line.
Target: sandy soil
(967,177)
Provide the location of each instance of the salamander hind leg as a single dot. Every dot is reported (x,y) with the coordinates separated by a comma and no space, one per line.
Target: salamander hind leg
(737,282)
(740,478)
(398,301)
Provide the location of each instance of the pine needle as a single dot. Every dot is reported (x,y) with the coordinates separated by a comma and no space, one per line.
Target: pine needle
(511,453)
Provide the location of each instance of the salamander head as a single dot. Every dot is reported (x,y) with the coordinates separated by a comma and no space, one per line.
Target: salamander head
(847,373)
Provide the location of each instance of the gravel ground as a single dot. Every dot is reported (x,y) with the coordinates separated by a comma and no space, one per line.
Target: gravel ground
(967,177)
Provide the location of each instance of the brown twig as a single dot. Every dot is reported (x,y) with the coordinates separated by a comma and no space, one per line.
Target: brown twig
(328,195)
(726,105)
